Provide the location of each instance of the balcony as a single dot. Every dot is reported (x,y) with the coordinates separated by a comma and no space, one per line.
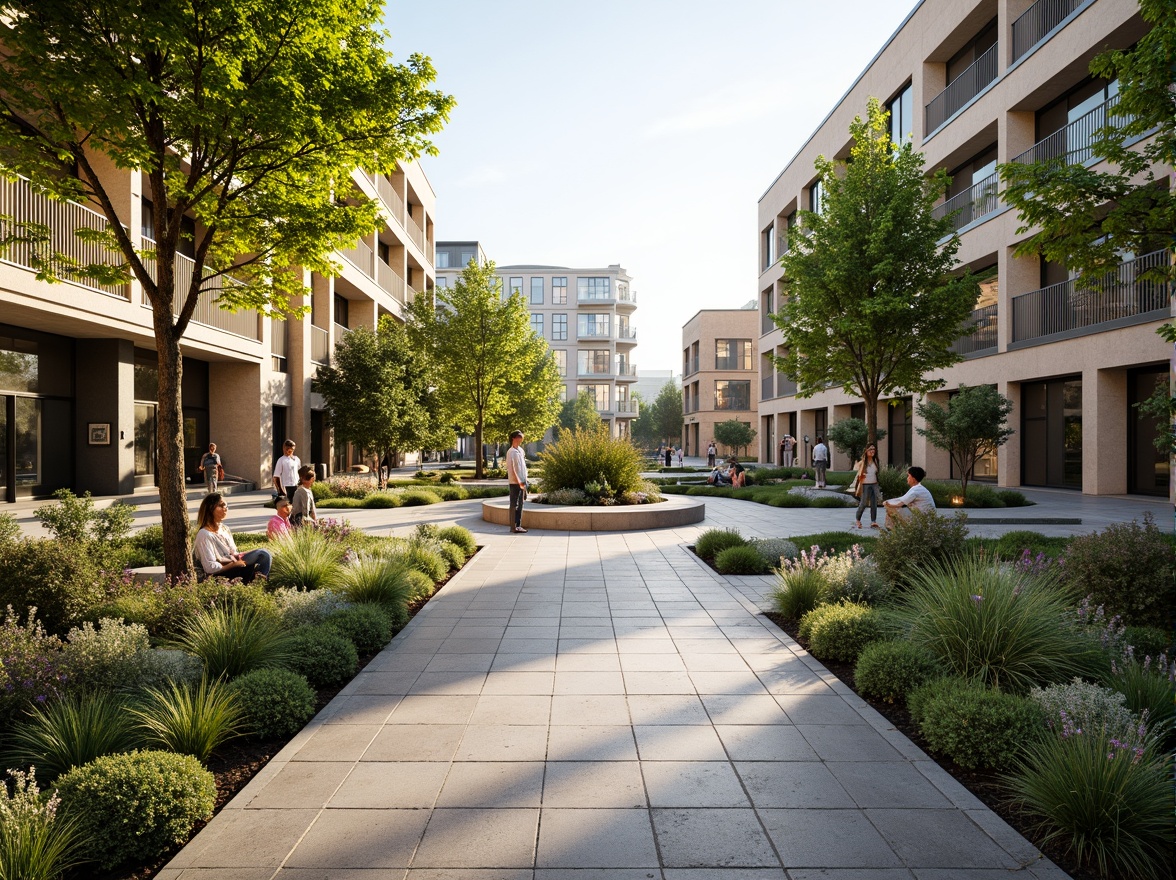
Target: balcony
(389,281)
(962,89)
(279,331)
(320,345)
(767,388)
(593,332)
(361,257)
(20,204)
(628,297)
(242,323)
(590,372)
(626,334)
(414,231)
(597,297)
(974,203)
(690,366)
(732,363)
(1037,23)
(981,338)
(390,198)
(626,407)
(341,332)
(626,372)
(1072,145)
(767,325)
(1071,309)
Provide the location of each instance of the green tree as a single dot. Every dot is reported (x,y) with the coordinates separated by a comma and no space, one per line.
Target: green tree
(245,117)
(667,413)
(379,394)
(493,372)
(643,432)
(852,436)
(579,413)
(973,424)
(734,434)
(872,306)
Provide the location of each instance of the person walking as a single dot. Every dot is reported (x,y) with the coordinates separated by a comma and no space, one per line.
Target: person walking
(679,455)
(866,486)
(670,455)
(211,467)
(516,475)
(820,461)
(787,450)
(286,471)
(711,454)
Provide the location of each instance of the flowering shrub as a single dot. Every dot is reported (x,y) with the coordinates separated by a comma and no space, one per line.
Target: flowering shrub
(347,486)
(33,845)
(1148,685)
(30,664)
(1084,706)
(862,582)
(107,656)
(773,550)
(337,530)
(1093,620)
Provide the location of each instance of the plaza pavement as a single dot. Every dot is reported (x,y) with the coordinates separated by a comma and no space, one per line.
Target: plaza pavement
(602,706)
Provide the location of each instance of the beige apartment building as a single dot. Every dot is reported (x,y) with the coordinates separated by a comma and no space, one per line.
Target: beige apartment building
(78,363)
(719,376)
(586,318)
(975,83)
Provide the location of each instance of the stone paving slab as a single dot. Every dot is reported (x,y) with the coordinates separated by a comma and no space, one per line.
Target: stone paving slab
(578,706)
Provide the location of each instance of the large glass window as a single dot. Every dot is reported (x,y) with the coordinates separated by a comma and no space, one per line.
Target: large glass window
(515,285)
(817,197)
(537,323)
(732,354)
(901,117)
(559,326)
(599,394)
(537,291)
(733,394)
(592,326)
(559,291)
(593,361)
(593,288)
(561,361)
(768,245)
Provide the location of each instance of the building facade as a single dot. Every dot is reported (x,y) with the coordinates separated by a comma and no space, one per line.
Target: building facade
(78,363)
(719,376)
(975,83)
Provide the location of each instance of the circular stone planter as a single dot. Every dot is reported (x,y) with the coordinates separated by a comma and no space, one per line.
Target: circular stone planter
(676,510)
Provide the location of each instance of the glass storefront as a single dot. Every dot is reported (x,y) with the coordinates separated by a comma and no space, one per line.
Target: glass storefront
(1051,433)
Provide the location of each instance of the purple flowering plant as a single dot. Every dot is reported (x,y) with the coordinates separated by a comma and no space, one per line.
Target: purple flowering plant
(29,663)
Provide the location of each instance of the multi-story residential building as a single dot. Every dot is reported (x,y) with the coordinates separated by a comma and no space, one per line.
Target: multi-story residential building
(719,374)
(78,365)
(974,83)
(453,256)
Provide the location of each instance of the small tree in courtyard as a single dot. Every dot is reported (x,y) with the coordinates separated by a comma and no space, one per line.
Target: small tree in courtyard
(667,413)
(735,434)
(872,304)
(852,436)
(973,424)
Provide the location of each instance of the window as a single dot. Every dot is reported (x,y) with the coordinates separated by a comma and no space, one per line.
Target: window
(537,291)
(561,363)
(559,291)
(559,326)
(563,393)
(593,361)
(817,197)
(537,323)
(968,55)
(466,258)
(599,394)
(593,288)
(442,281)
(732,354)
(733,394)
(440,260)
(514,286)
(341,311)
(592,326)
(901,117)
(769,246)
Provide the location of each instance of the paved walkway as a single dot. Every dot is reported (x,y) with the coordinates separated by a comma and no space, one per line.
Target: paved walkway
(579,706)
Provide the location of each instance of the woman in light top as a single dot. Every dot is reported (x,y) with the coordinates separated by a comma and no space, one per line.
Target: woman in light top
(304,511)
(216,552)
(867,477)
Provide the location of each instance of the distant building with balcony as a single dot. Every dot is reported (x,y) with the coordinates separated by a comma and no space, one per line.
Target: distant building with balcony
(974,84)
(719,376)
(78,362)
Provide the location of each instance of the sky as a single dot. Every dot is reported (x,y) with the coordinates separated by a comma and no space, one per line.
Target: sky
(638,132)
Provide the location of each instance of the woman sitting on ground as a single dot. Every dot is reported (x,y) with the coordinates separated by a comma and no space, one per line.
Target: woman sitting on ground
(303,510)
(216,552)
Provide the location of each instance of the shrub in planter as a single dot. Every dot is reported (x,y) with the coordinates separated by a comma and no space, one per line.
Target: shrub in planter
(583,456)
(276,702)
(234,640)
(452,554)
(460,536)
(918,698)
(860,582)
(744,559)
(386,500)
(1149,685)
(450,493)
(60,578)
(70,732)
(1086,706)
(573,497)
(420,586)
(840,632)
(305,559)
(713,541)
(30,663)
(978,727)
(923,541)
(324,656)
(1107,801)
(190,719)
(890,670)
(162,665)
(375,580)
(132,808)
(222,593)
(799,591)
(308,607)
(368,627)
(425,560)
(774,549)
(418,497)
(10,531)
(1149,641)
(1129,568)
(106,656)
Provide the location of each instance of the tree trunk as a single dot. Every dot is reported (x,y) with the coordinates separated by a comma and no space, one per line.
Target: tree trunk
(871,401)
(169,419)
(479,471)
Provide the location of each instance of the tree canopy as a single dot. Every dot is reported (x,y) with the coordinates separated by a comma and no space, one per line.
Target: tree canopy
(245,119)
(851,437)
(579,413)
(735,434)
(872,304)
(973,424)
(667,413)
(493,371)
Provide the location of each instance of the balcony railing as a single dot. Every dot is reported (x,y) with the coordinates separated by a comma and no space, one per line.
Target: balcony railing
(387,278)
(982,336)
(979,200)
(734,362)
(242,323)
(1038,22)
(767,388)
(19,202)
(279,332)
(767,325)
(593,333)
(627,296)
(361,257)
(414,231)
(1072,145)
(690,366)
(962,89)
(627,371)
(602,373)
(320,345)
(390,197)
(626,333)
(1073,308)
(626,407)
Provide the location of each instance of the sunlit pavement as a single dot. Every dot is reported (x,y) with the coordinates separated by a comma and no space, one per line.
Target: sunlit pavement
(602,705)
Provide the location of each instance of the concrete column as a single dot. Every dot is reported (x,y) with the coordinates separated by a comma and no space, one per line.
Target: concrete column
(1016,132)
(808,428)
(1008,457)
(1104,432)
(241,423)
(1018,275)
(1009,11)
(105,394)
(363,313)
(935,461)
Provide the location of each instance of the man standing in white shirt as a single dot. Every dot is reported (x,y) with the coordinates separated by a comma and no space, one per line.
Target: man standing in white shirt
(820,461)
(286,471)
(516,475)
(918,497)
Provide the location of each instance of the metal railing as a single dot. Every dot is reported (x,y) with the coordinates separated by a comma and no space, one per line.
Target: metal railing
(390,197)
(414,231)
(626,333)
(360,256)
(596,296)
(691,366)
(627,296)
(1072,144)
(1071,306)
(593,333)
(733,362)
(1037,22)
(962,89)
(320,345)
(975,202)
(604,373)
(982,334)
(388,280)
(626,407)
(19,202)
(627,371)
(767,387)
(242,323)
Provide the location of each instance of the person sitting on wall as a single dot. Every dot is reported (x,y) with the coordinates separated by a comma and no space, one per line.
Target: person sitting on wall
(215,551)
(918,497)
